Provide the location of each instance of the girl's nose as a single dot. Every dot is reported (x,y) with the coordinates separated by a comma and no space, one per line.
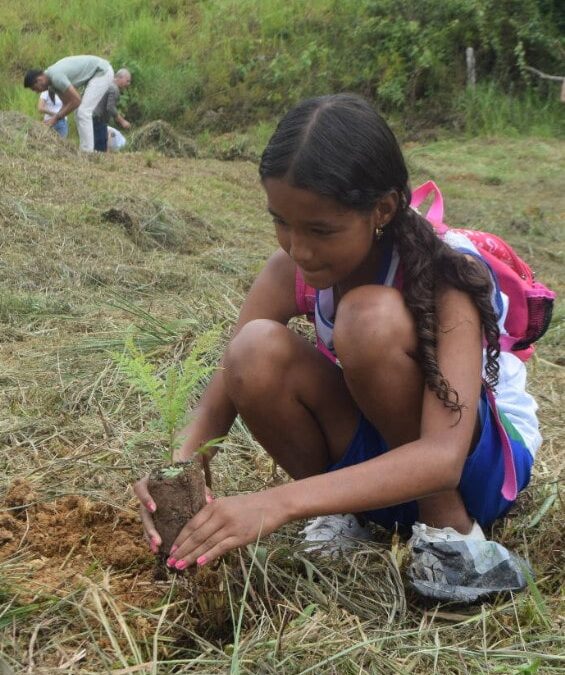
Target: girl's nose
(300,251)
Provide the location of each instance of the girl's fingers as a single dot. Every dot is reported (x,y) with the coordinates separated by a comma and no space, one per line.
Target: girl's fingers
(196,532)
(212,548)
(142,493)
(147,507)
(216,551)
(151,533)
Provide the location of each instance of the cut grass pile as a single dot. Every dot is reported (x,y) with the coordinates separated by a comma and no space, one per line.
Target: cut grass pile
(99,248)
(162,137)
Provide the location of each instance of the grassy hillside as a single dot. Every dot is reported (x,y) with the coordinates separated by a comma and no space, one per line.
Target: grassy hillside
(99,248)
(223,65)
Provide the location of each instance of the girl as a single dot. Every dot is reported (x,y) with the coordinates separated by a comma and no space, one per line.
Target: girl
(399,430)
(50,104)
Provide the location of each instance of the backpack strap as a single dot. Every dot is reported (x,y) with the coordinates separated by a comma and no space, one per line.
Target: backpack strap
(305,297)
(510,485)
(435,212)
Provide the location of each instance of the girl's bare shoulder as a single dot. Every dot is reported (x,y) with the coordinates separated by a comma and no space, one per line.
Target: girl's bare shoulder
(272,295)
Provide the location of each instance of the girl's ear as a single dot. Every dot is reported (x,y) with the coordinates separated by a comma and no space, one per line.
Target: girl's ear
(385,209)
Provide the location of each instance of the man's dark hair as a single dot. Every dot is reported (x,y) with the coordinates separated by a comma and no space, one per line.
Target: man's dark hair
(30,77)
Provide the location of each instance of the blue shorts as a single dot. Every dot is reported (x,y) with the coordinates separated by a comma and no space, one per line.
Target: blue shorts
(481,480)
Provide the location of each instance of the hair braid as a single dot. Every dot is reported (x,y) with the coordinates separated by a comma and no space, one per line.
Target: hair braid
(428,265)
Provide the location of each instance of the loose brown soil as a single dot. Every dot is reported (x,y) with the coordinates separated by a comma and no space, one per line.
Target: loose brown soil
(178,499)
(66,542)
(70,538)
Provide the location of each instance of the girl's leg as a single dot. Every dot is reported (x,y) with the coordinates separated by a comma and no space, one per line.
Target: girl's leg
(375,339)
(293,399)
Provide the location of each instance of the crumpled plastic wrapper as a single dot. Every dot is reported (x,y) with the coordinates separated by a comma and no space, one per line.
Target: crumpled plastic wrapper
(465,571)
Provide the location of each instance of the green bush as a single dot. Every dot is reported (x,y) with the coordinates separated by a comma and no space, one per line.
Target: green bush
(225,64)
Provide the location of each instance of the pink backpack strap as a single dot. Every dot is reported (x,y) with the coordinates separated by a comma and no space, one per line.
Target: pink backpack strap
(306,304)
(435,212)
(305,295)
(510,484)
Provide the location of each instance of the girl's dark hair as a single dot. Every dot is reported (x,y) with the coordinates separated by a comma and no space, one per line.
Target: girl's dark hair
(339,146)
(51,92)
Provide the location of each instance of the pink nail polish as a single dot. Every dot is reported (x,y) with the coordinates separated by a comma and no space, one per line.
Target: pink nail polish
(202,560)
(171,562)
(151,506)
(209,499)
(174,547)
(180,565)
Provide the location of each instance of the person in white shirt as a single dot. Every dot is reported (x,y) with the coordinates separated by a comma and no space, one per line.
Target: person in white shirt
(50,104)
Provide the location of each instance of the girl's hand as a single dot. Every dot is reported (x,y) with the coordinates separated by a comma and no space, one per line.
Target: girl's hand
(224,524)
(146,508)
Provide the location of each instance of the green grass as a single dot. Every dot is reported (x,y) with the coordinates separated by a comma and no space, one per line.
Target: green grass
(76,283)
(223,65)
(487,111)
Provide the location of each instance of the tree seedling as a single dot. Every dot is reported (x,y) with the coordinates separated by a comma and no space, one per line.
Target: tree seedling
(178,489)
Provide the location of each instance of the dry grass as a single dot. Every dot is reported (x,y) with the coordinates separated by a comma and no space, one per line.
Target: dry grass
(92,246)
(161,136)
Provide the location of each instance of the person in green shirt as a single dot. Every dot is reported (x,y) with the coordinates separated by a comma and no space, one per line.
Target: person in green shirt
(91,74)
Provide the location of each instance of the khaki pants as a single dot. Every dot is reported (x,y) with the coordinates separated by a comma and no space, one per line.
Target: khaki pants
(95,89)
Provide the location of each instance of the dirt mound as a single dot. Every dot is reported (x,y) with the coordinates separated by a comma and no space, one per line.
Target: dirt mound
(19,132)
(162,137)
(63,544)
(64,538)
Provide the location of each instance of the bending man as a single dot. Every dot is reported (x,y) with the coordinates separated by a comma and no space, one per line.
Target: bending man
(66,77)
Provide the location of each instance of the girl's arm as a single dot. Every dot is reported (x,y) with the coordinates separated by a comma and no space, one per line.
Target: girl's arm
(271,296)
(421,468)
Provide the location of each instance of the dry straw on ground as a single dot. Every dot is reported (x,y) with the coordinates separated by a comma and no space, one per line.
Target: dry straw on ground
(84,266)
(161,136)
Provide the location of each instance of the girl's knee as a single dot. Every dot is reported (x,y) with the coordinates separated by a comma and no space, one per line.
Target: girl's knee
(256,358)
(370,321)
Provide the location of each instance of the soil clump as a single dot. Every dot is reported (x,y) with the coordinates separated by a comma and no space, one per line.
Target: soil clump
(179,492)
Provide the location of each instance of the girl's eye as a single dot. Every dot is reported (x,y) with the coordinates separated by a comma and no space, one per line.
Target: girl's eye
(320,232)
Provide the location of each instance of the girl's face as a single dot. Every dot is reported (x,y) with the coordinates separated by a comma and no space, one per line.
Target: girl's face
(330,243)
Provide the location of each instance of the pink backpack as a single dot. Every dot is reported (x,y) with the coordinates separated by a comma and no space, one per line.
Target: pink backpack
(530,303)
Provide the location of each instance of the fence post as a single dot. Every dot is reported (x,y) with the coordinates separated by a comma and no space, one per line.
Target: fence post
(471,74)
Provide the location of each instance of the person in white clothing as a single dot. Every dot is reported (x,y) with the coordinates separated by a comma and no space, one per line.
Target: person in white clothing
(116,140)
(50,105)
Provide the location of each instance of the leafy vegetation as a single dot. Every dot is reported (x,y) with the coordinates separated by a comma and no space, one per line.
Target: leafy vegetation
(224,65)
(171,392)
